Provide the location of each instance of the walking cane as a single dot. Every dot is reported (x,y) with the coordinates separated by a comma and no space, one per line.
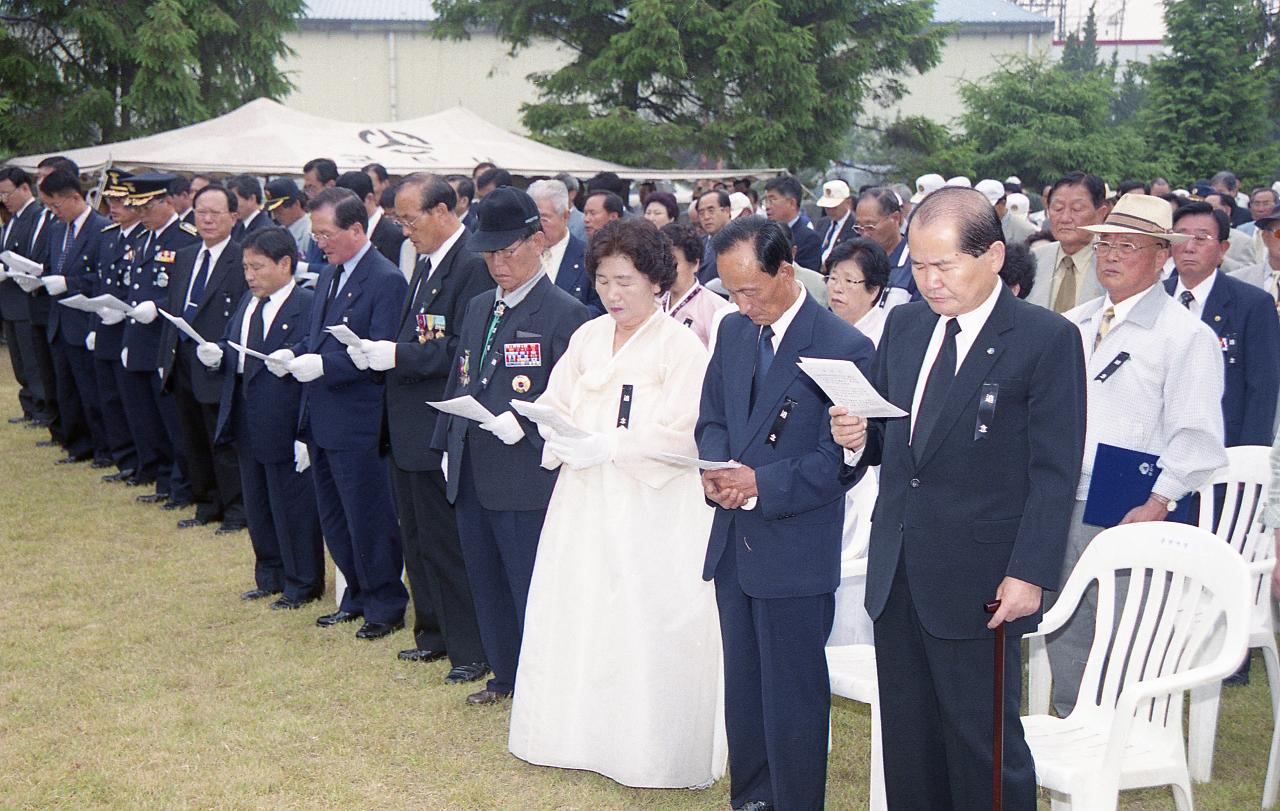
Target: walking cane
(997,727)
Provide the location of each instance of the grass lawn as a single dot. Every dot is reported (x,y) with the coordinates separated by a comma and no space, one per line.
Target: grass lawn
(131,676)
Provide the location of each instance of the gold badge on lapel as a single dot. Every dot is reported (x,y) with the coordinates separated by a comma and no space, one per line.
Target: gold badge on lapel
(521,384)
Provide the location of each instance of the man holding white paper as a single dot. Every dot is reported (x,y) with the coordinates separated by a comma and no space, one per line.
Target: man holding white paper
(24,214)
(1155,382)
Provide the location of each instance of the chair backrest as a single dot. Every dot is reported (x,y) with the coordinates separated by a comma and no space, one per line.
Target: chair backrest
(1232,506)
(1162,588)
(857,521)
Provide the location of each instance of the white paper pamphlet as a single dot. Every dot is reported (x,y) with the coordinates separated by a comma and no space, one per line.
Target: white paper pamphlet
(78,302)
(548,416)
(465,406)
(244,350)
(344,335)
(689,461)
(183,327)
(845,384)
(20,264)
(108,302)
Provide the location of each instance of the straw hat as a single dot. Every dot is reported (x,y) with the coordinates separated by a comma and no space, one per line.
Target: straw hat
(1140,214)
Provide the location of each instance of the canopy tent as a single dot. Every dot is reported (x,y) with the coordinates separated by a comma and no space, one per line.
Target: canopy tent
(265,137)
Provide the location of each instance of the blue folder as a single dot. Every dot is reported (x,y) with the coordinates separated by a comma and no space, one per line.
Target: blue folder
(1122,479)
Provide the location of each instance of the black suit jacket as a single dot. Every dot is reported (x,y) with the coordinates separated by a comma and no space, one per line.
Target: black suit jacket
(40,302)
(260,220)
(80,269)
(422,369)
(994,488)
(506,477)
(222,292)
(808,245)
(387,239)
(14,303)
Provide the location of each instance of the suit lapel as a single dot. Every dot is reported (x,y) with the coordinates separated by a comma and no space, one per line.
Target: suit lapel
(983,354)
(520,315)
(915,342)
(349,292)
(783,370)
(1218,305)
(220,269)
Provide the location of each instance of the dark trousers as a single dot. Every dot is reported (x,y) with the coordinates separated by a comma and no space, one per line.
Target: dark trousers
(499,548)
(444,613)
(777,694)
(150,440)
(46,371)
(214,472)
(284,524)
(120,442)
(358,517)
(179,481)
(86,380)
(72,412)
(17,336)
(936,706)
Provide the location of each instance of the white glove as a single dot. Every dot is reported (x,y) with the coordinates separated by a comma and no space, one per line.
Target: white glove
(278,362)
(56,285)
(144,313)
(358,357)
(28,285)
(307,367)
(505,427)
(110,317)
(124,357)
(301,457)
(210,354)
(381,354)
(90,341)
(582,452)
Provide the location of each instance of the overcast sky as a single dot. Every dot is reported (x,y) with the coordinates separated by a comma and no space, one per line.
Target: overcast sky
(1141,19)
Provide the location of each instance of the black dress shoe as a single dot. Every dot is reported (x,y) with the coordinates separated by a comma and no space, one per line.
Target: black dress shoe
(40,422)
(756,805)
(175,505)
(136,481)
(152,498)
(377,630)
(336,617)
(466,673)
(101,464)
(119,476)
(187,523)
(487,697)
(420,655)
(258,594)
(19,420)
(46,443)
(74,460)
(230,528)
(289,603)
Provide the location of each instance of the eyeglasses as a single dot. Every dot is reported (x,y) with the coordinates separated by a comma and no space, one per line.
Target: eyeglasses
(1122,249)
(320,238)
(833,281)
(862,227)
(4,195)
(407,225)
(1202,239)
(210,212)
(507,252)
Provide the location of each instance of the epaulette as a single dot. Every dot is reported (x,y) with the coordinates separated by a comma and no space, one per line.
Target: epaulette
(188,227)
(109,227)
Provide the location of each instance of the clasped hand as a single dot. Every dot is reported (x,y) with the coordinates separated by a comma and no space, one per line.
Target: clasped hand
(730,488)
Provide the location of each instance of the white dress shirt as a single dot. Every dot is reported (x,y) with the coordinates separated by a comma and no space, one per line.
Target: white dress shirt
(345,273)
(214,253)
(784,321)
(269,309)
(971,324)
(1200,293)
(553,256)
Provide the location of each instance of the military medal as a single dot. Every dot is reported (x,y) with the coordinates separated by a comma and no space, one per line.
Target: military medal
(521,384)
(464,369)
(162,279)
(422,328)
(522,354)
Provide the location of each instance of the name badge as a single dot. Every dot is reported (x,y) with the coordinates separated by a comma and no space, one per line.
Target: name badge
(1111,368)
(780,421)
(1230,345)
(986,410)
(624,406)
(522,355)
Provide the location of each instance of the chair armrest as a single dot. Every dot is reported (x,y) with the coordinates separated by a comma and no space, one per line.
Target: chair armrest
(1039,676)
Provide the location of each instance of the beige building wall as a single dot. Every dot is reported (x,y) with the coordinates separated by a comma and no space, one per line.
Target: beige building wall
(381,75)
(967,56)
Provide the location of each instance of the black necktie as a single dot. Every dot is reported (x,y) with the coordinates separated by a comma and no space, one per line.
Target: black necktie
(333,289)
(256,338)
(1186,298)
(764,359)
(936,387)
(197,290)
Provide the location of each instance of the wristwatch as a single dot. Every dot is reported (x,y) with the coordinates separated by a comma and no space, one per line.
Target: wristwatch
(1169,503)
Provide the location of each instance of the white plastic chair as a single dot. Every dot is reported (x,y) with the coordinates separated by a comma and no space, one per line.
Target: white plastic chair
(852,625)
(1184,588)
(1245,481)
(852,669)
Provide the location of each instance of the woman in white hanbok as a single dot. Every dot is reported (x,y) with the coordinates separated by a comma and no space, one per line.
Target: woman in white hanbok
(858,283)
(620,663)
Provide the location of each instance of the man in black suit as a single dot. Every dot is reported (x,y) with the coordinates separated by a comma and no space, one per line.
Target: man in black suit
(73,249)
(714,213)
(385,236)
(38,305)
(564,260)
(208,282)
(509,342)
(24,214)
(977,484)
(837,202)
(258,415)
(782,199)
(417,364)
(465,189)
(249,214)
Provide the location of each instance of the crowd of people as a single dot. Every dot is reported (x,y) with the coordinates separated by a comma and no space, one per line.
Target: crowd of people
(580,429)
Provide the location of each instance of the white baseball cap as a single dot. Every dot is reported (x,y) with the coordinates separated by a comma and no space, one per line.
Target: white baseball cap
(926,185)
(1013,179)
(1018,203)
(961,181)
(992,189)
(834,192)
(738,203)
